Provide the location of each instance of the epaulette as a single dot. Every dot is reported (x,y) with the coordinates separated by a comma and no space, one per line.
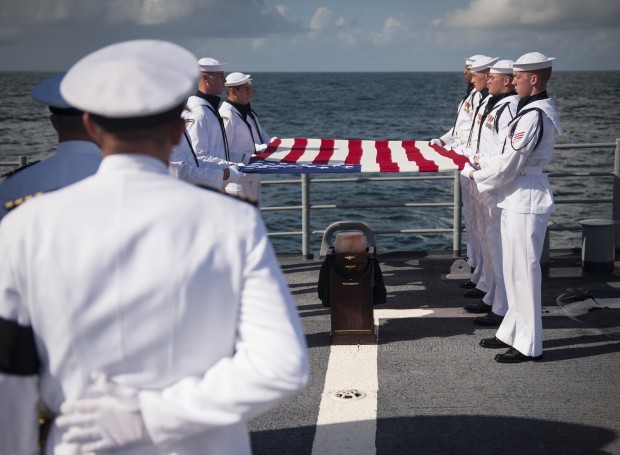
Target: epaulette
(17,169)
(238,197)
(10,205)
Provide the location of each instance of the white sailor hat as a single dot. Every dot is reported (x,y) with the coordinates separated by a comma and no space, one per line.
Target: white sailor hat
(470,60)
(483,63)
(142,80)
(48,92)
(235,79)
(210,65)
(532,61)
(502,67)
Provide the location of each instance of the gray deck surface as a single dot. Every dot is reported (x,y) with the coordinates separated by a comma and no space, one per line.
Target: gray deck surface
(439,392)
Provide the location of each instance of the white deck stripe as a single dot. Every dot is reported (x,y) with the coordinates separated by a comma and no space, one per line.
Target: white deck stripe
(349,368)
(355,367)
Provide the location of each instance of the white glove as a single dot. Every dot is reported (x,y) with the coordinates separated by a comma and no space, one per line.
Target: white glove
(108,421)
(466,170)
(436,142)
(260,147)
(235,174)
(275,138)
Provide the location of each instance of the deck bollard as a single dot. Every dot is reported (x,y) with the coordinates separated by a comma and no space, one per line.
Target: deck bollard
(598,245)
(348,285)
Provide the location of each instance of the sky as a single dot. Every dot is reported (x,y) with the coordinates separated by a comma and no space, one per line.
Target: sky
(317,35)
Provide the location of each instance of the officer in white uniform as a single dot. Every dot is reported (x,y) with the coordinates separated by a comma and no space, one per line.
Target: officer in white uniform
(245,134)
(499,111)
(205,126)
(525,197)
(150,315)
(76,156)
(467,146)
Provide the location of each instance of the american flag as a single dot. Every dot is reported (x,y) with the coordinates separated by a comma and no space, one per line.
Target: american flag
(303,155)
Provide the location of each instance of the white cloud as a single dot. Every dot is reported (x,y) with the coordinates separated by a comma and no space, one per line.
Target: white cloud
(537,14)
(325,19)
(189,18)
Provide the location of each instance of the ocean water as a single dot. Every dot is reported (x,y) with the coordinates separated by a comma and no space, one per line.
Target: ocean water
(379,106)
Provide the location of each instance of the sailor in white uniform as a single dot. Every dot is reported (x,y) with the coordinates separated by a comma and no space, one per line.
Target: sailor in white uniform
(464,112)
(245,134)
(205,126)
(526,199)
(498,112)
(76,156)
(150,315)
(467,146)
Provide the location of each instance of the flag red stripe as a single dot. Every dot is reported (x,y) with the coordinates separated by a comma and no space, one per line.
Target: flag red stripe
(325,152)
(384,157)
(456,158)
(414,154)
(354,157)
(297,150)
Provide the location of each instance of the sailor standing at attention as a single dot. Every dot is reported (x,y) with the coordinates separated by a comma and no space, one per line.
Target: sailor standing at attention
(245,134)
(205,126)
(499,111)
(76,156)
(151,316)
(460,129)
(467,147)
(526,199)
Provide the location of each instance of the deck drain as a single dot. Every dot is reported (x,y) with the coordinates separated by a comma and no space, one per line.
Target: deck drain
(347,395)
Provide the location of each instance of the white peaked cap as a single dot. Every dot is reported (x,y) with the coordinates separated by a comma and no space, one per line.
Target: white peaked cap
(502,67)
(234,79)
(472,59)
(131,79)
(210,65)
(48,92)
(532,61)
(483,63)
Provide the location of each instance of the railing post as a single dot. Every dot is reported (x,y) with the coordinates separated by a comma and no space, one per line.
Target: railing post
(23,160)
(456,235)
(305,216)
(616,195)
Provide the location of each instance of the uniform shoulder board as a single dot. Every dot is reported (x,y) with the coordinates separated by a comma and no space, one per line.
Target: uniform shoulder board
(18,169)
(241,198)
(10,205)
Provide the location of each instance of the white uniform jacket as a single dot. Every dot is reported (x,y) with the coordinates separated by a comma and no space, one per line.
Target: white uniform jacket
(243,138)
(464,116)
(160,285)
(72,161)
(243,135)
(204,129)
(184,165)
(489,142)
(518,172)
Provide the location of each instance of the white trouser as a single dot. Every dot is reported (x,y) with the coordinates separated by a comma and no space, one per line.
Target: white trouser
(523,236)
(491,219)
(474,235)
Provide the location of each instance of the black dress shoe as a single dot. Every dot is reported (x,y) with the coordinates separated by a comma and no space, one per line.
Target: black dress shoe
(514,356)
(493,343)
(478,308)
(474,294)
(489,319)
(467,284)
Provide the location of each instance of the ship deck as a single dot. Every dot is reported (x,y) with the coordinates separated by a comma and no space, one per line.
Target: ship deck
(427,386)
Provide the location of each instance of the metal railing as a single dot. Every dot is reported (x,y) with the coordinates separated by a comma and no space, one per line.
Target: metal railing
(306,181)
